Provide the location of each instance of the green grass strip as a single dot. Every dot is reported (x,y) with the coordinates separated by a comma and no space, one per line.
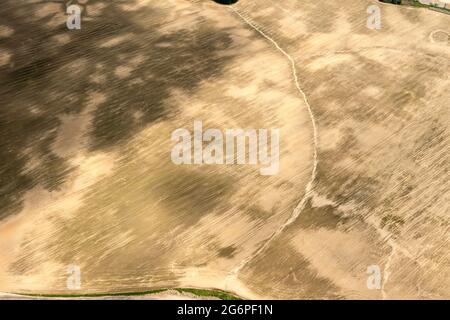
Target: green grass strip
(222,295)
(197,292)
(93,295)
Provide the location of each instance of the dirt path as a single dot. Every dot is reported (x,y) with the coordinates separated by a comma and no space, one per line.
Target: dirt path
(309,187)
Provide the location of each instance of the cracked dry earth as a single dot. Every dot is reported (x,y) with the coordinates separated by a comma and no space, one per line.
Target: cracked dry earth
(86,178)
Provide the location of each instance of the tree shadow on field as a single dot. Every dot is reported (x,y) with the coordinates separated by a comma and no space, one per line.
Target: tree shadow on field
(48,71)
(226,2)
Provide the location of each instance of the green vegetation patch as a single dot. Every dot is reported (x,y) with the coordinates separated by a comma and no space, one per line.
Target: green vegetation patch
(222,295)
(197,292)
(94,295)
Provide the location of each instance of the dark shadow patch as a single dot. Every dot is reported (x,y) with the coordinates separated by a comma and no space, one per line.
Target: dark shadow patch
(192,194)
(227,2)
(327,217)
(392,223)
(227,252)
(291,275)
(46,80)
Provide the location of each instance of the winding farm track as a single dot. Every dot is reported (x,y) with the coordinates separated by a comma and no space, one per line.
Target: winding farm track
(309,187)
